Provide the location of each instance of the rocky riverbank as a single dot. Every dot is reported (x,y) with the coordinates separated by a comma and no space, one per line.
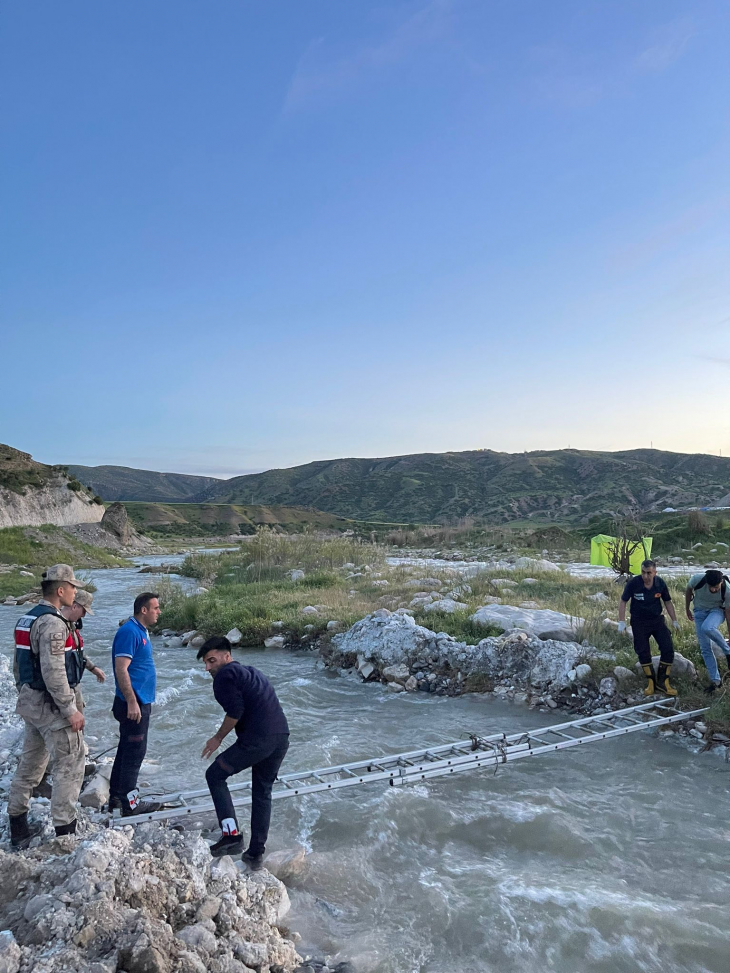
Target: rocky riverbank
(542,673)
(144,900)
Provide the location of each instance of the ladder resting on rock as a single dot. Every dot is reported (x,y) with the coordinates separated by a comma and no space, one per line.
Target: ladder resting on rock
(437,761)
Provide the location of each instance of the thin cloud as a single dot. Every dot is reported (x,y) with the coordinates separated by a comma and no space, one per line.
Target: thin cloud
(578,82)
(725,362)
(316,76)
(669,44)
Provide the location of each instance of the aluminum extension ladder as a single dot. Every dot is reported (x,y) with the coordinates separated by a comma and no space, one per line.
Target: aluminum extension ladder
(437,761)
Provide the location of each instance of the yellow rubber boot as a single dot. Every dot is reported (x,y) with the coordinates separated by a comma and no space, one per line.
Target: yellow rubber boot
(662,680)
(650,681)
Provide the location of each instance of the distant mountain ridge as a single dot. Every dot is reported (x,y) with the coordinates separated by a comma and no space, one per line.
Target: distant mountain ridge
(565,485)
(126,483)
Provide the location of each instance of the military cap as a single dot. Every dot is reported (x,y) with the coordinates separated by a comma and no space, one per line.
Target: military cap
(62,572)
(84,598)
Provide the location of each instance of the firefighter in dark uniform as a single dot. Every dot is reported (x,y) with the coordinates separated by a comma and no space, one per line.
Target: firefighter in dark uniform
(649,597)
(48,669)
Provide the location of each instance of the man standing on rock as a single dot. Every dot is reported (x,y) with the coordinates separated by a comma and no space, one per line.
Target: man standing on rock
(135,678)
(711,609)
(48,669)
(648,594)
(75,615)
(253,710)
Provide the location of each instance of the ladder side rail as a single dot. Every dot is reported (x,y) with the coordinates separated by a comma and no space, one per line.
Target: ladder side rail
(587,719)
(203,808)
(517,754)
(360,767)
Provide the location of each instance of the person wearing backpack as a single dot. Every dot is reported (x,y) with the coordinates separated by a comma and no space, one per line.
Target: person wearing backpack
(649,596)
(711,607)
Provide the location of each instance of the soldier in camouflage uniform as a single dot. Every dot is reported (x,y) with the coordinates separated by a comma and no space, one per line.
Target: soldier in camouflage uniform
(48,669)
(75,614)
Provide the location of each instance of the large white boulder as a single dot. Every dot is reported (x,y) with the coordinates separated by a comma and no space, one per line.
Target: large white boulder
(528,660)
(446,605)
(543,622)
(386,638)
(535,564)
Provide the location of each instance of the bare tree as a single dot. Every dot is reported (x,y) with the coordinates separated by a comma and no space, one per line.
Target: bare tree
(628,539)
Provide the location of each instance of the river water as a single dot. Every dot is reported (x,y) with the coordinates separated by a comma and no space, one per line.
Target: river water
(606,859)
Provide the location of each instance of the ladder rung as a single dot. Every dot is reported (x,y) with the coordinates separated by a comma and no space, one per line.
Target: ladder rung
(464,755)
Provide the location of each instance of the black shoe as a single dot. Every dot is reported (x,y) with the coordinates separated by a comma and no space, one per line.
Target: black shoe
(254,862)
(62,829)
(229,844)
(22,833)
(712,688)
(142,807)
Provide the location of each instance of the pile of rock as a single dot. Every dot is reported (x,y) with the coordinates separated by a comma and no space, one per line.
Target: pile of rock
(409,657)
(149,900)
(144,900)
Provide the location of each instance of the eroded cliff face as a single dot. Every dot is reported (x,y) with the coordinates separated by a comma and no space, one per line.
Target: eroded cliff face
(51,503)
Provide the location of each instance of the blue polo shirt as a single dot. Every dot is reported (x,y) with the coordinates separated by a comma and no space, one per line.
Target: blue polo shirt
(132,641)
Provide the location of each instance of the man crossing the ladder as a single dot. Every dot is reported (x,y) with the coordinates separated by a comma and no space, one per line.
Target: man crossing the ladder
(711,608)
(262,740)
(649,595)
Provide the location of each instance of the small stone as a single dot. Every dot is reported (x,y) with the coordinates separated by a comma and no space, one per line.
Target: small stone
(583,672)
(9,953)
(209,907)
(275,642)
(608,686)
(234,636)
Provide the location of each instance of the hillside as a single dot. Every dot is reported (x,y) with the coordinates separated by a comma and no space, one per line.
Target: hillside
(201,520)
(32,493)
(566,485)
(124,483)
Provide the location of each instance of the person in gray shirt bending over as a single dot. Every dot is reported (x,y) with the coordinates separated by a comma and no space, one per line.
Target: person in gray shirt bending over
(711,607)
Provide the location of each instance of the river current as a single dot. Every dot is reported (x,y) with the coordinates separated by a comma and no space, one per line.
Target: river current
(606,859)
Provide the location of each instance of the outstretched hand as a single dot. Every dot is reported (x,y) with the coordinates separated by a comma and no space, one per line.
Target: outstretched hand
(210,747)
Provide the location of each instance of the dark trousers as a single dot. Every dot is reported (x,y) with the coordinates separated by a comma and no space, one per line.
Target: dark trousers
(131,750)
(643,629)
(264,756)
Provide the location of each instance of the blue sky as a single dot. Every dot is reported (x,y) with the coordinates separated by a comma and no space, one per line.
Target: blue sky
(243,235)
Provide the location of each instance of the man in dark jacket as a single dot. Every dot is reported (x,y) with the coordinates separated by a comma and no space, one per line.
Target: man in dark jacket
(262,733)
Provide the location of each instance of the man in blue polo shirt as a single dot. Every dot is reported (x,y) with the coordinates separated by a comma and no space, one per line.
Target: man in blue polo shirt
(135,679)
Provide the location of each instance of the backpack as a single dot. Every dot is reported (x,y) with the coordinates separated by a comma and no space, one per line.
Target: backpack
(723,587)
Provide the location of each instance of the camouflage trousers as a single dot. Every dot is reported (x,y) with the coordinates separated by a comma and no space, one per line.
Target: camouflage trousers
(65,747)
